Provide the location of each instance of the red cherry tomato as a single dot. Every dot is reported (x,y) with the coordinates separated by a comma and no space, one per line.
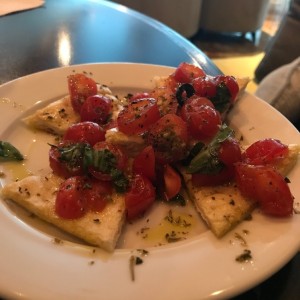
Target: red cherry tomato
(144,163)
(85,132)
(192,104)
(121,160)
(96,108)
(172,182)
(224,176)
(97,193)
(266,186)
(61,167)
(138,96)
(205,86)
(230,152)
(139,197)
(204,123)
(230,83)
(138,116)
(266,151)
(69,202)
(80,88)
(185,73)
(168,137)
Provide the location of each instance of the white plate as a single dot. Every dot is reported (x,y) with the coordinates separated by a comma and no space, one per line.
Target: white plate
(34,267)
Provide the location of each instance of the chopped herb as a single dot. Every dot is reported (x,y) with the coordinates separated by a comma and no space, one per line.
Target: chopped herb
(133,261)
(57,241)
(172,237)
(103,161)
(244,257)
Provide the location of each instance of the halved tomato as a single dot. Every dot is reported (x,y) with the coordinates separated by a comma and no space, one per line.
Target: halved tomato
(96,108)
(266,151)
(138,116)
(266,186)
(144,163)
(172,182)
(69,202)
(168,137)
(186,72)
(85,132)
(139,197)
(80,88)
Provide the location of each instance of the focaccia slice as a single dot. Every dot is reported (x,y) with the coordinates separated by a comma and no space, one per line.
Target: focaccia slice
(223,207)
(59,115)
(37,194)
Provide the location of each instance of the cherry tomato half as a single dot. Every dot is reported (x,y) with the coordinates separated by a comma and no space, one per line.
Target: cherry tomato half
(172,182)
(97,194)
(138,116)
(168,137)
(266,151)
(230,152)
(192,104)
(185,73)
(204,123)
(205,86)
(80,88)
(266,186)
(69,202)
(144,163)
(139,197)
(96,108)
(85,132)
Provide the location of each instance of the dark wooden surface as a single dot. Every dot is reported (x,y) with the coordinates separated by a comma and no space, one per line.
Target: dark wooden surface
(96,31)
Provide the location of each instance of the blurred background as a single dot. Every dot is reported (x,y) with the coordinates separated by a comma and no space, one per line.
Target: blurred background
(233,33)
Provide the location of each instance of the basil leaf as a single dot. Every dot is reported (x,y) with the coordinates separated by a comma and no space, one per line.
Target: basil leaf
(193,152)
(119,179)
(9,152)
(207,161)
(100,160)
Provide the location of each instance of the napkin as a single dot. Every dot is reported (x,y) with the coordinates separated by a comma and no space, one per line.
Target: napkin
(10,6)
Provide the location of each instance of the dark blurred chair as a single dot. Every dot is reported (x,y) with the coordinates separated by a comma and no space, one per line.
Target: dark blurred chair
(181,15)
(230,16)
(284,47)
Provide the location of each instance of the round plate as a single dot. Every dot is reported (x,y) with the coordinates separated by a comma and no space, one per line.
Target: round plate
(36,266)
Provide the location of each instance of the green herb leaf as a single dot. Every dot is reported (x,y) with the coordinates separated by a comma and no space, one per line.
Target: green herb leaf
(119,179)
(9,152)
(100,160)
(207,161)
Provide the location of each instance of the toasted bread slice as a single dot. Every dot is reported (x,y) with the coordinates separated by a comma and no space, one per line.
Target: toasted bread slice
(37,195)
(223,207)
(59,115)
(55,118)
